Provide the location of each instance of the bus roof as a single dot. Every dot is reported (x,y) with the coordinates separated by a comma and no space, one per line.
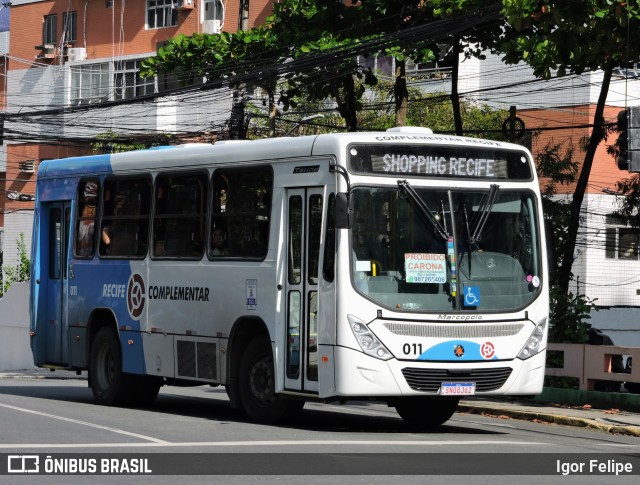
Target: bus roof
(226,152)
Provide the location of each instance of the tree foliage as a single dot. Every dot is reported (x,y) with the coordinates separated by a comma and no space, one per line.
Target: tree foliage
(569,312)
(559,38)
(111,142)
(321,27)
(20,272)
(225,57)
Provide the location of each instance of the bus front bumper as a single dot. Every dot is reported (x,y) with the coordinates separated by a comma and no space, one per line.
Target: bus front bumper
(359,375)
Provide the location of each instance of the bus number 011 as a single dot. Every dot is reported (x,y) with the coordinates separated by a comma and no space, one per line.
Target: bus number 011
(415,349)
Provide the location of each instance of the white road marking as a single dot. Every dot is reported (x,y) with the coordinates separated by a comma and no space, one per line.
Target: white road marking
(84,423)
(620,445)
(159,444)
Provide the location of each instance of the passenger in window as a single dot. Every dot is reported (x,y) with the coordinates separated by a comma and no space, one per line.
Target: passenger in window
(119,237)
(108,237)
(86,228)
(219,243)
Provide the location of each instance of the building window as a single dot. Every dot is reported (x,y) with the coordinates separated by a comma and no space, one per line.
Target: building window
(128,83)
(214,10)
(622,242)
(160,13)
(167,81)
(69,27)
(89,84)
(50,29)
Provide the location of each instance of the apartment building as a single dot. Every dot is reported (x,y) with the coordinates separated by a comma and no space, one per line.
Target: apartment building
(60,57)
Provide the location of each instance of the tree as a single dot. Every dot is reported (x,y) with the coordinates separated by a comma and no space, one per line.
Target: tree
(630,203)
(568,312)
(312,48)
(111,142)
(430,110)
(569,37)
(224,58)
(324,27)
(20,272)
(389,16)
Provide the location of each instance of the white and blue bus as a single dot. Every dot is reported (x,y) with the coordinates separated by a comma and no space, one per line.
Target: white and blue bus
(401,266)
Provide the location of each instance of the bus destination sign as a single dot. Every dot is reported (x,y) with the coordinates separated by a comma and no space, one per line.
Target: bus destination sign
(438,161)
(447,166)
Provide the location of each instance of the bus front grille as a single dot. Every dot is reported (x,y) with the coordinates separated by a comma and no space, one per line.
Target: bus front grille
(429,380)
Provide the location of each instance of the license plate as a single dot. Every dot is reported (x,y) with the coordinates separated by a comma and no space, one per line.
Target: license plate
(458,388)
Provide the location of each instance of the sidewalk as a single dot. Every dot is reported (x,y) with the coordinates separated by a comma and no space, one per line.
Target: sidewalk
(613,421)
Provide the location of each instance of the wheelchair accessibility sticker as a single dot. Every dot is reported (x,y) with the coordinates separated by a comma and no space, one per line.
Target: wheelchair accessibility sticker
(471,295)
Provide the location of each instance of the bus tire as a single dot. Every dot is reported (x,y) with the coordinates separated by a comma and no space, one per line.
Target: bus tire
(145,391)
(427,412)
(256,386)
(110,386)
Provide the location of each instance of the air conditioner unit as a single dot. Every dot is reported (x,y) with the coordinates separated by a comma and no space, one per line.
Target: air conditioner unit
(183,5)
(75,54)
(28,166)
(211,26)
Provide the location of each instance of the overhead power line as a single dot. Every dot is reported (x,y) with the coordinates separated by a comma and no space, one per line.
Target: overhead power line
(420,36)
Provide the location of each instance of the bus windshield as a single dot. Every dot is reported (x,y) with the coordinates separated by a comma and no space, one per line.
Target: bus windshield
(434,250)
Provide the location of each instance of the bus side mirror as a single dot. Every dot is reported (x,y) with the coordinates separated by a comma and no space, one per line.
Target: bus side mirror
(343,211)
(552,259)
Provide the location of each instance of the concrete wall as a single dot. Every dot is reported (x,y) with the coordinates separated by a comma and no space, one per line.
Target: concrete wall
(15,350)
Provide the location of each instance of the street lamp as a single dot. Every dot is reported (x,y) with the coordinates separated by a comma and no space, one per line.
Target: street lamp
(304,120)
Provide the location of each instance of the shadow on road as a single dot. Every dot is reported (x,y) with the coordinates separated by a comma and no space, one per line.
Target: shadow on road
(208,403)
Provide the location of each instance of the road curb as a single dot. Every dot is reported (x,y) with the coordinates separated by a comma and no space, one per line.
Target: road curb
(550,418)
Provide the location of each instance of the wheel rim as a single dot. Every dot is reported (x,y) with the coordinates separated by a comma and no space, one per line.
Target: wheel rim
(261,381)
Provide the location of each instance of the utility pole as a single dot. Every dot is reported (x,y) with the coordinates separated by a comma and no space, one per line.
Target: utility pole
(512,124)
(244,15)
(237,129)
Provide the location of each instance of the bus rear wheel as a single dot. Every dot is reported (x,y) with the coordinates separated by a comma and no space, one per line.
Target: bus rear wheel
(427,412)
(110,386)
(256,387)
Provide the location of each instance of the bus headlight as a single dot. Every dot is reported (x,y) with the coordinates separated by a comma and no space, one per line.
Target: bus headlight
(532,347)
(367,341)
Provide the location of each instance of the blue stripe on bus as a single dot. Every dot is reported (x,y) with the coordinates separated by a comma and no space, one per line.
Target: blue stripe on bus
(446,351)
(104,284)
(70,167)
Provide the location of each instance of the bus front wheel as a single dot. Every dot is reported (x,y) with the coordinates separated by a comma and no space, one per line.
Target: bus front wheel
(256,387)
(110,386)
(146,389)
(427,412)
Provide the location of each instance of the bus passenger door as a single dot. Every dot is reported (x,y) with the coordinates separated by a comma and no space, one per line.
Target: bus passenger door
(53,277)
(304,213)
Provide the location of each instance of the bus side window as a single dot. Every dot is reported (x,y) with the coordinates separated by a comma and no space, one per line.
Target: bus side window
(241,211)
(125,217)
(86,218)
(179,218)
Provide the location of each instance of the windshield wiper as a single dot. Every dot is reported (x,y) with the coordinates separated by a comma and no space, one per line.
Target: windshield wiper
(486,204)
(424,210)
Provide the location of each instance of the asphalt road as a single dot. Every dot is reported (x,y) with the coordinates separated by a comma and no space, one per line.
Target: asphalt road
(193,431)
